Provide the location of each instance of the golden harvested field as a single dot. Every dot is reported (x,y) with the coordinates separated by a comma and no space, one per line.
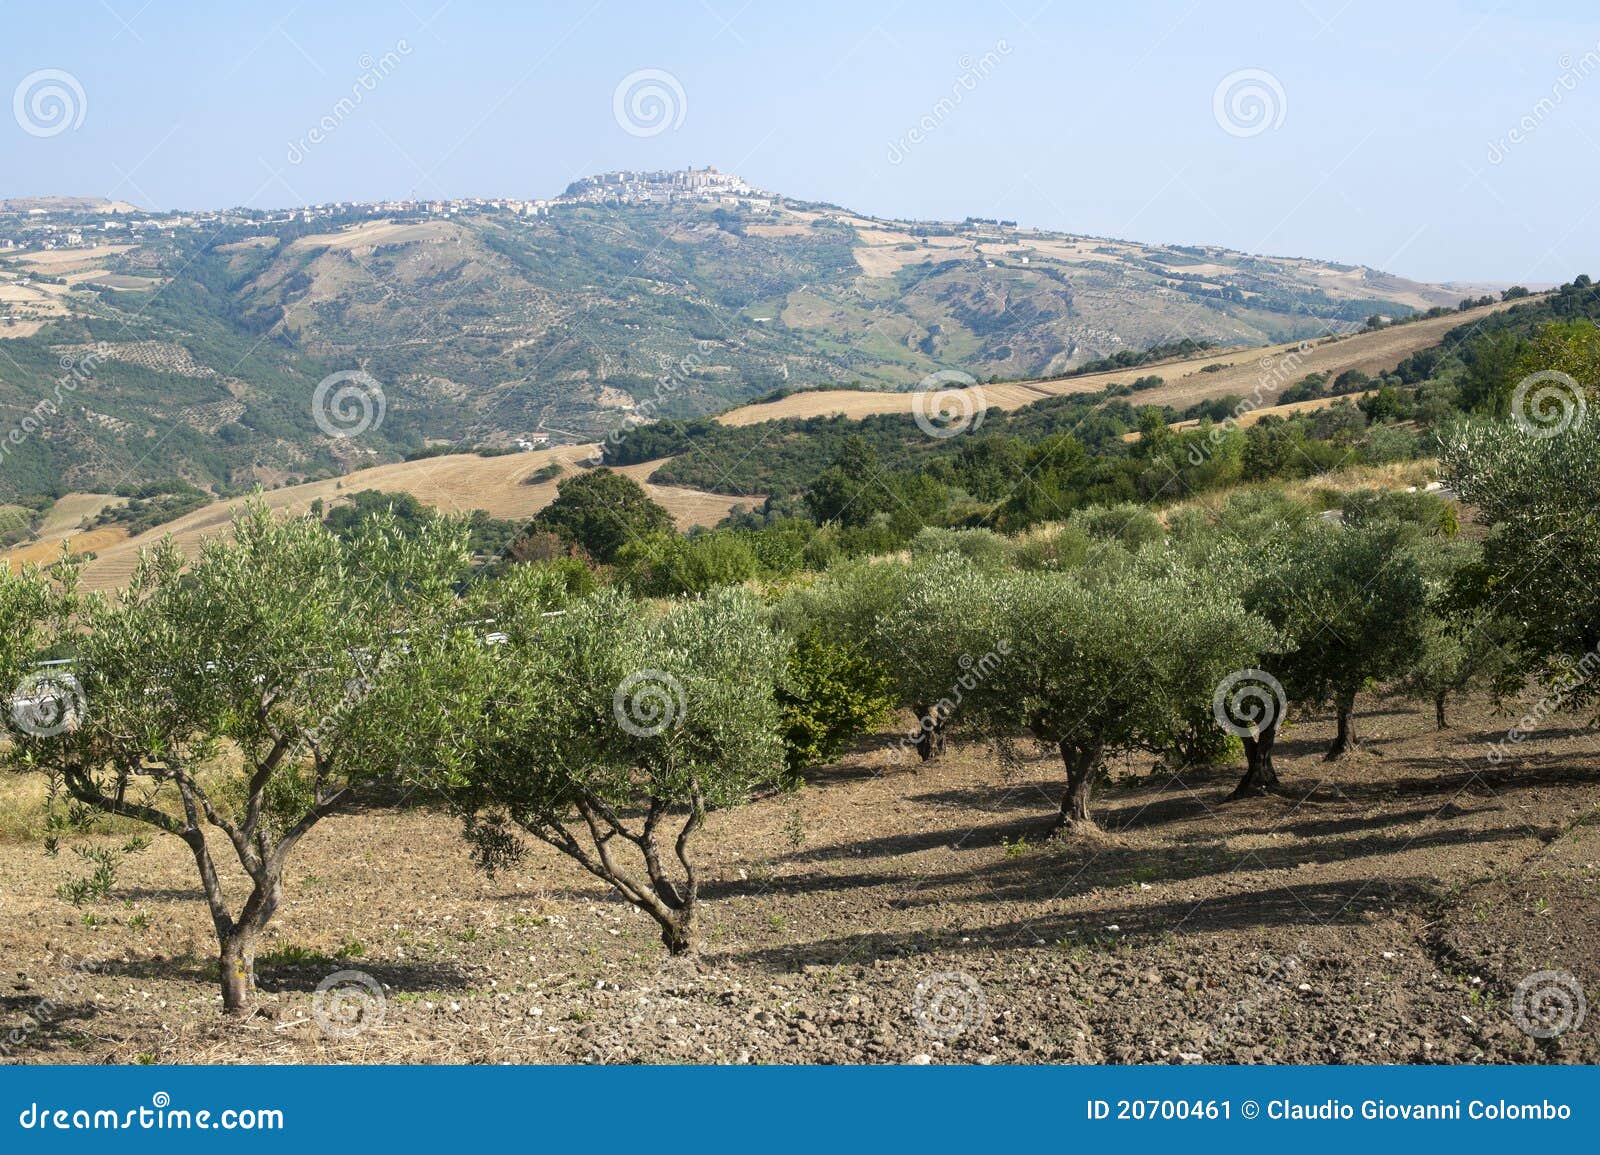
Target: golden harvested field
(457,483)
(1251,416)
(57,259)
(44,551)
(61,523)
(70,510)
(373,233)
(778,230)
(884,252)
(35,298)
(1270,369)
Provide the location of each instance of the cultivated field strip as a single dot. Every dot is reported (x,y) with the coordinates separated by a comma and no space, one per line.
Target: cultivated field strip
(456,483)
(1184,382)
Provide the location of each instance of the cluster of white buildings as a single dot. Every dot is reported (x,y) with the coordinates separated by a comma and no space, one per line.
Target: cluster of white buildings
(627,187)
(665,186)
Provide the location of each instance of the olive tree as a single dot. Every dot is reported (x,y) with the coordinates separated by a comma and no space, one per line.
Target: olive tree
(1096,664)
(609,732)
(1537,490)
(873,607)
(32,607)
(930,640)
(232,704)
(1463,642)
(1350,604)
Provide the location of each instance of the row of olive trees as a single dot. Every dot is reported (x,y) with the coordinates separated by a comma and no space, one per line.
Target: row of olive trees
(236,702)
(1125,648)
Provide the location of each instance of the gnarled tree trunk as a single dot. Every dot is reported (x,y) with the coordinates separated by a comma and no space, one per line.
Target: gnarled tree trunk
(670,903)
(1345,741)
(678,933)
(1260,776)
(1438,712)
(237,969)
(931,722)
(1081,763)
(261,859)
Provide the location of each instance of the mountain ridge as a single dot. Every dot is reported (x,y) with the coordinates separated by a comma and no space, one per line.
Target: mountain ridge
(635,297)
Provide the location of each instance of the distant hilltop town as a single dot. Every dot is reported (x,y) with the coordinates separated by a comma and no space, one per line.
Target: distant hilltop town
(65,222)
(663,187)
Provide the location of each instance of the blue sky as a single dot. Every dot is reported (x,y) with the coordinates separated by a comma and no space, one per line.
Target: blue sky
(1385,132)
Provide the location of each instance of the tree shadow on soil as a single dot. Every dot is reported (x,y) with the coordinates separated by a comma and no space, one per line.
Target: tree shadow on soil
(1067,871)
(34,1020)
(1313,905)
(1453,776)
(271,976)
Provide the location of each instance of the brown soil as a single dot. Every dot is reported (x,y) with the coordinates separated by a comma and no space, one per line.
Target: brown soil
(1383,910)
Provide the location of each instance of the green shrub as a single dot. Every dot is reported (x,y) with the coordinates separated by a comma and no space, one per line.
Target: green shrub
(1131,525)
(1060,548)
(830,695)
(983,547)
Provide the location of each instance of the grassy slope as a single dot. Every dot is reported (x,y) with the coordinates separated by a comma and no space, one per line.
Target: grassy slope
(456,483)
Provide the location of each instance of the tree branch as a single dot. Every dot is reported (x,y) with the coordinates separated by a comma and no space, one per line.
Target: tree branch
(697,815)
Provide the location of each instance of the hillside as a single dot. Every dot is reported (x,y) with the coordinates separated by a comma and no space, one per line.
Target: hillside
(456,483)
(1217,374)
(191,344)
(704,470)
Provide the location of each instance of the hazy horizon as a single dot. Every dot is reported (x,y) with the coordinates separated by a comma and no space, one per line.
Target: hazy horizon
(1442,142)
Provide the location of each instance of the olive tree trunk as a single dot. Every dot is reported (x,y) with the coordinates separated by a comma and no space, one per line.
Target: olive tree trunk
(1260,776)
(931,724)
(261,858)
(1081,763)
(671,903)
(238,972)
(1345,741)
(263,861)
